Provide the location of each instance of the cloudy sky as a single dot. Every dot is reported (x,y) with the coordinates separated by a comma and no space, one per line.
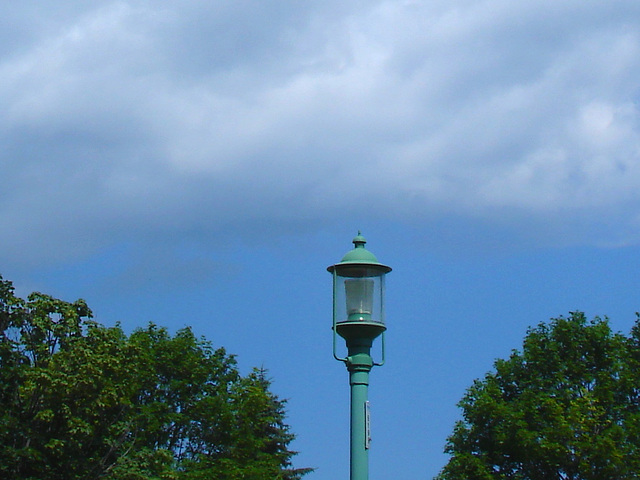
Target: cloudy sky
(201,163)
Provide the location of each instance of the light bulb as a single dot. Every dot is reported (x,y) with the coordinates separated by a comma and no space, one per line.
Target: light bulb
(359,293)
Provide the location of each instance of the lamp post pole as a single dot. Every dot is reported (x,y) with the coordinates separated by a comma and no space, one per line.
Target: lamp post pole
(358,317)
(359,364)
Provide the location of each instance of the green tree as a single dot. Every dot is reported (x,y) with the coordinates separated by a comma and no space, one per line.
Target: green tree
(566,407)
(83,401)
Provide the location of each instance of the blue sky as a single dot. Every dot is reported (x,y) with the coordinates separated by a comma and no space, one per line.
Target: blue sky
(202,163)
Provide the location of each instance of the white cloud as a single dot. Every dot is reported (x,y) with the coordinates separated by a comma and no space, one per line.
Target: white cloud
(135,117)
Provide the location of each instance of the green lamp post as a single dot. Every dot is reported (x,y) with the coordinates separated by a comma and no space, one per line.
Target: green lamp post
(358,317)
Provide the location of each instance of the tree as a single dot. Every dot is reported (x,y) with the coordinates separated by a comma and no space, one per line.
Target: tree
(566,407)
(84,401)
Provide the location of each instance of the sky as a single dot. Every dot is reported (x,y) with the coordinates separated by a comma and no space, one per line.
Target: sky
(201,163)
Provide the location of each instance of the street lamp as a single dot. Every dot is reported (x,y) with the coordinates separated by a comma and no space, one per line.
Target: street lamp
(358,317)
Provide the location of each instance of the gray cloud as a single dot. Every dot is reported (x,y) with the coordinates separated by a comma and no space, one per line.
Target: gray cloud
(131,119)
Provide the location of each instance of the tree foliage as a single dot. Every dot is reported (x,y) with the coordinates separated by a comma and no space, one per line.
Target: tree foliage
(566,407)
(83,401)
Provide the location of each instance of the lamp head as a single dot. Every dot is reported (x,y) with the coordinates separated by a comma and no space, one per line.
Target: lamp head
(358,292)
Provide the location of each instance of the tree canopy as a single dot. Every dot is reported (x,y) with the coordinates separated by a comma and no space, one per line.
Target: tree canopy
(84,401)
(566,407)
